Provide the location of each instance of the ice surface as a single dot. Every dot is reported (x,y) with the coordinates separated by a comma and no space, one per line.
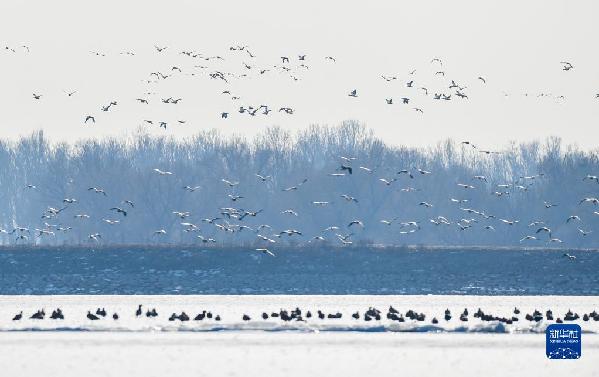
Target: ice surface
(156,347)
(289,354)
(232,308)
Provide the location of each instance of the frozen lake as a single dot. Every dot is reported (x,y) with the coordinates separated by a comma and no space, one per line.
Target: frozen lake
(291,354)
(135,346)
(178,270)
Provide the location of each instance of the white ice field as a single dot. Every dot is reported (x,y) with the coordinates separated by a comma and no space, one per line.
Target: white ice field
(132,346)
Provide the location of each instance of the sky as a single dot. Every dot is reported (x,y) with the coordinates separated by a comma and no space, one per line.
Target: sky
(516,46)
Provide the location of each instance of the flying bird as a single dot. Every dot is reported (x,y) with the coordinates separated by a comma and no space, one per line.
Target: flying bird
(266,251)
(119,210)
(161,172)
(544,229)
(97,190)
(567,66)
(594,201)
(229,183)
(526,238)
(346,168)
(294,188)
(349,198)
(191,188)
(387,182)
(263,178)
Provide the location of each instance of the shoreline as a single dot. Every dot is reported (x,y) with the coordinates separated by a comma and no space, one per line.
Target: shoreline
(321,247)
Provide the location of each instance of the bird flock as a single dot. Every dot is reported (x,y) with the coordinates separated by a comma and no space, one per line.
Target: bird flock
(229,220)
(417,88)
(372,314)
(226,222)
